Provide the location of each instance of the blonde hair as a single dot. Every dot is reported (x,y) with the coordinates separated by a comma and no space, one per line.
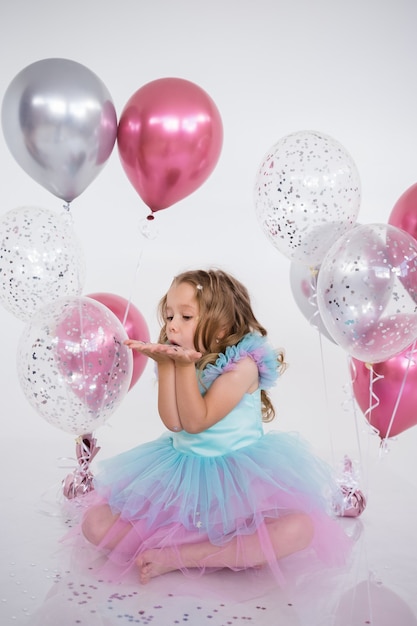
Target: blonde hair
(225,317)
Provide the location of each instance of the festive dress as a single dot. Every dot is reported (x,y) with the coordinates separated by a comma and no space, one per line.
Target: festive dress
(227,482)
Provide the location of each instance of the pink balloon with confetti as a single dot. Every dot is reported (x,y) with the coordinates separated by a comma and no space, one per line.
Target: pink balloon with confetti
(134,324)
(73,366)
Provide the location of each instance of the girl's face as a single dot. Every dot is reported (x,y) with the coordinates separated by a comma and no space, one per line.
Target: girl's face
(181,315)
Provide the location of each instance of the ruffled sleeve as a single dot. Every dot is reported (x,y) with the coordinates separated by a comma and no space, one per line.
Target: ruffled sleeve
(257,348)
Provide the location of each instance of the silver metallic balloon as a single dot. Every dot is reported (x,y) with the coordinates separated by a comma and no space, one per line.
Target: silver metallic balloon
(60,125)
(303,283)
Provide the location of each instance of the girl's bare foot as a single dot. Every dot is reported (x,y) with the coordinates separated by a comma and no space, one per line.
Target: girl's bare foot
(288,534)
(154,563)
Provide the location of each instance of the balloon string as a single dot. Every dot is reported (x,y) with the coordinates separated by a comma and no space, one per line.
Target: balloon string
(104,396)
(326,398)
(110,373)
(373,378)
(312,299)
(350,502)
(147,234)
(96,410)
(352,401)
(362,549)
(135,277)
(409,357)
(370,429)
(66,215)
(80,316)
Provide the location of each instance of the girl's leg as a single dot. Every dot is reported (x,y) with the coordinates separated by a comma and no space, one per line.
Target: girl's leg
(98,523)
(288,534)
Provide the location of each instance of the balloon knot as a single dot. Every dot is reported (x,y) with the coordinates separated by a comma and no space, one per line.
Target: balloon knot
(150,217)
(80,481)
(351,501)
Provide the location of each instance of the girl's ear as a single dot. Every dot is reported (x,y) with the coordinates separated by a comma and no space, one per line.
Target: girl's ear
(221,333)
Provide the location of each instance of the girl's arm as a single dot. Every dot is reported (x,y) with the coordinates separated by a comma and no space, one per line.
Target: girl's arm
(167,402)
(162,354)
(180,402)
(197,412)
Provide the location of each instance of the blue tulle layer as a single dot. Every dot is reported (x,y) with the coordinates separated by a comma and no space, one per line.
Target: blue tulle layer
(168,498)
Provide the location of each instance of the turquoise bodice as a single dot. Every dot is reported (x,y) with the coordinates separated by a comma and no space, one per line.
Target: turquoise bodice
(243,425)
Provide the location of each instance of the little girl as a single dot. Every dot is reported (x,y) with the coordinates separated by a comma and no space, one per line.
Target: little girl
(215,491)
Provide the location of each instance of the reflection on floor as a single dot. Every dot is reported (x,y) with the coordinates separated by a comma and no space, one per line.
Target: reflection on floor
(42,586)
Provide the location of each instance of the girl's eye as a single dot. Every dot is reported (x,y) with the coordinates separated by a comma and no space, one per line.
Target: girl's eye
(169,318)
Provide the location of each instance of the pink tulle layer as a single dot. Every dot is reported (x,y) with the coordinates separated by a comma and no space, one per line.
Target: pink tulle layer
(182,504)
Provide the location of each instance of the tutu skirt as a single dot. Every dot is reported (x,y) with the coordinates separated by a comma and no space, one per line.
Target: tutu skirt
(165,498)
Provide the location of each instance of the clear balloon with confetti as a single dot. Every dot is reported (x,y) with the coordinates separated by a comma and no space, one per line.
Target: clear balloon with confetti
(307,194)
(41,260)
(366,291)
(73,366)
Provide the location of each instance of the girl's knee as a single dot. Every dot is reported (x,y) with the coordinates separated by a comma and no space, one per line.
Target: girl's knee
(96,523)
(294,531)
(303,529)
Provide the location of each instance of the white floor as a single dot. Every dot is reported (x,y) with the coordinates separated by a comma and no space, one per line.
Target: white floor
(41,586)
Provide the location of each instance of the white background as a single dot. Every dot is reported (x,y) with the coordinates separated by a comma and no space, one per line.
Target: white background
(347,69)
(272,67)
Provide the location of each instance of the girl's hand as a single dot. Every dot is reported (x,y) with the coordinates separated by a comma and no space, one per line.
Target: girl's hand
(162,352)
(155,351)
(184,356)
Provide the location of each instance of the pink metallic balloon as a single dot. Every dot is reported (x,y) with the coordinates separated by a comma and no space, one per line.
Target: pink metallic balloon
(395,376)
(404,216)
(169,138)
(133,323)
(404,213)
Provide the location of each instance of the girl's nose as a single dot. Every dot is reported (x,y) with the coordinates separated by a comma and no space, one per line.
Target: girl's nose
(172,325)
